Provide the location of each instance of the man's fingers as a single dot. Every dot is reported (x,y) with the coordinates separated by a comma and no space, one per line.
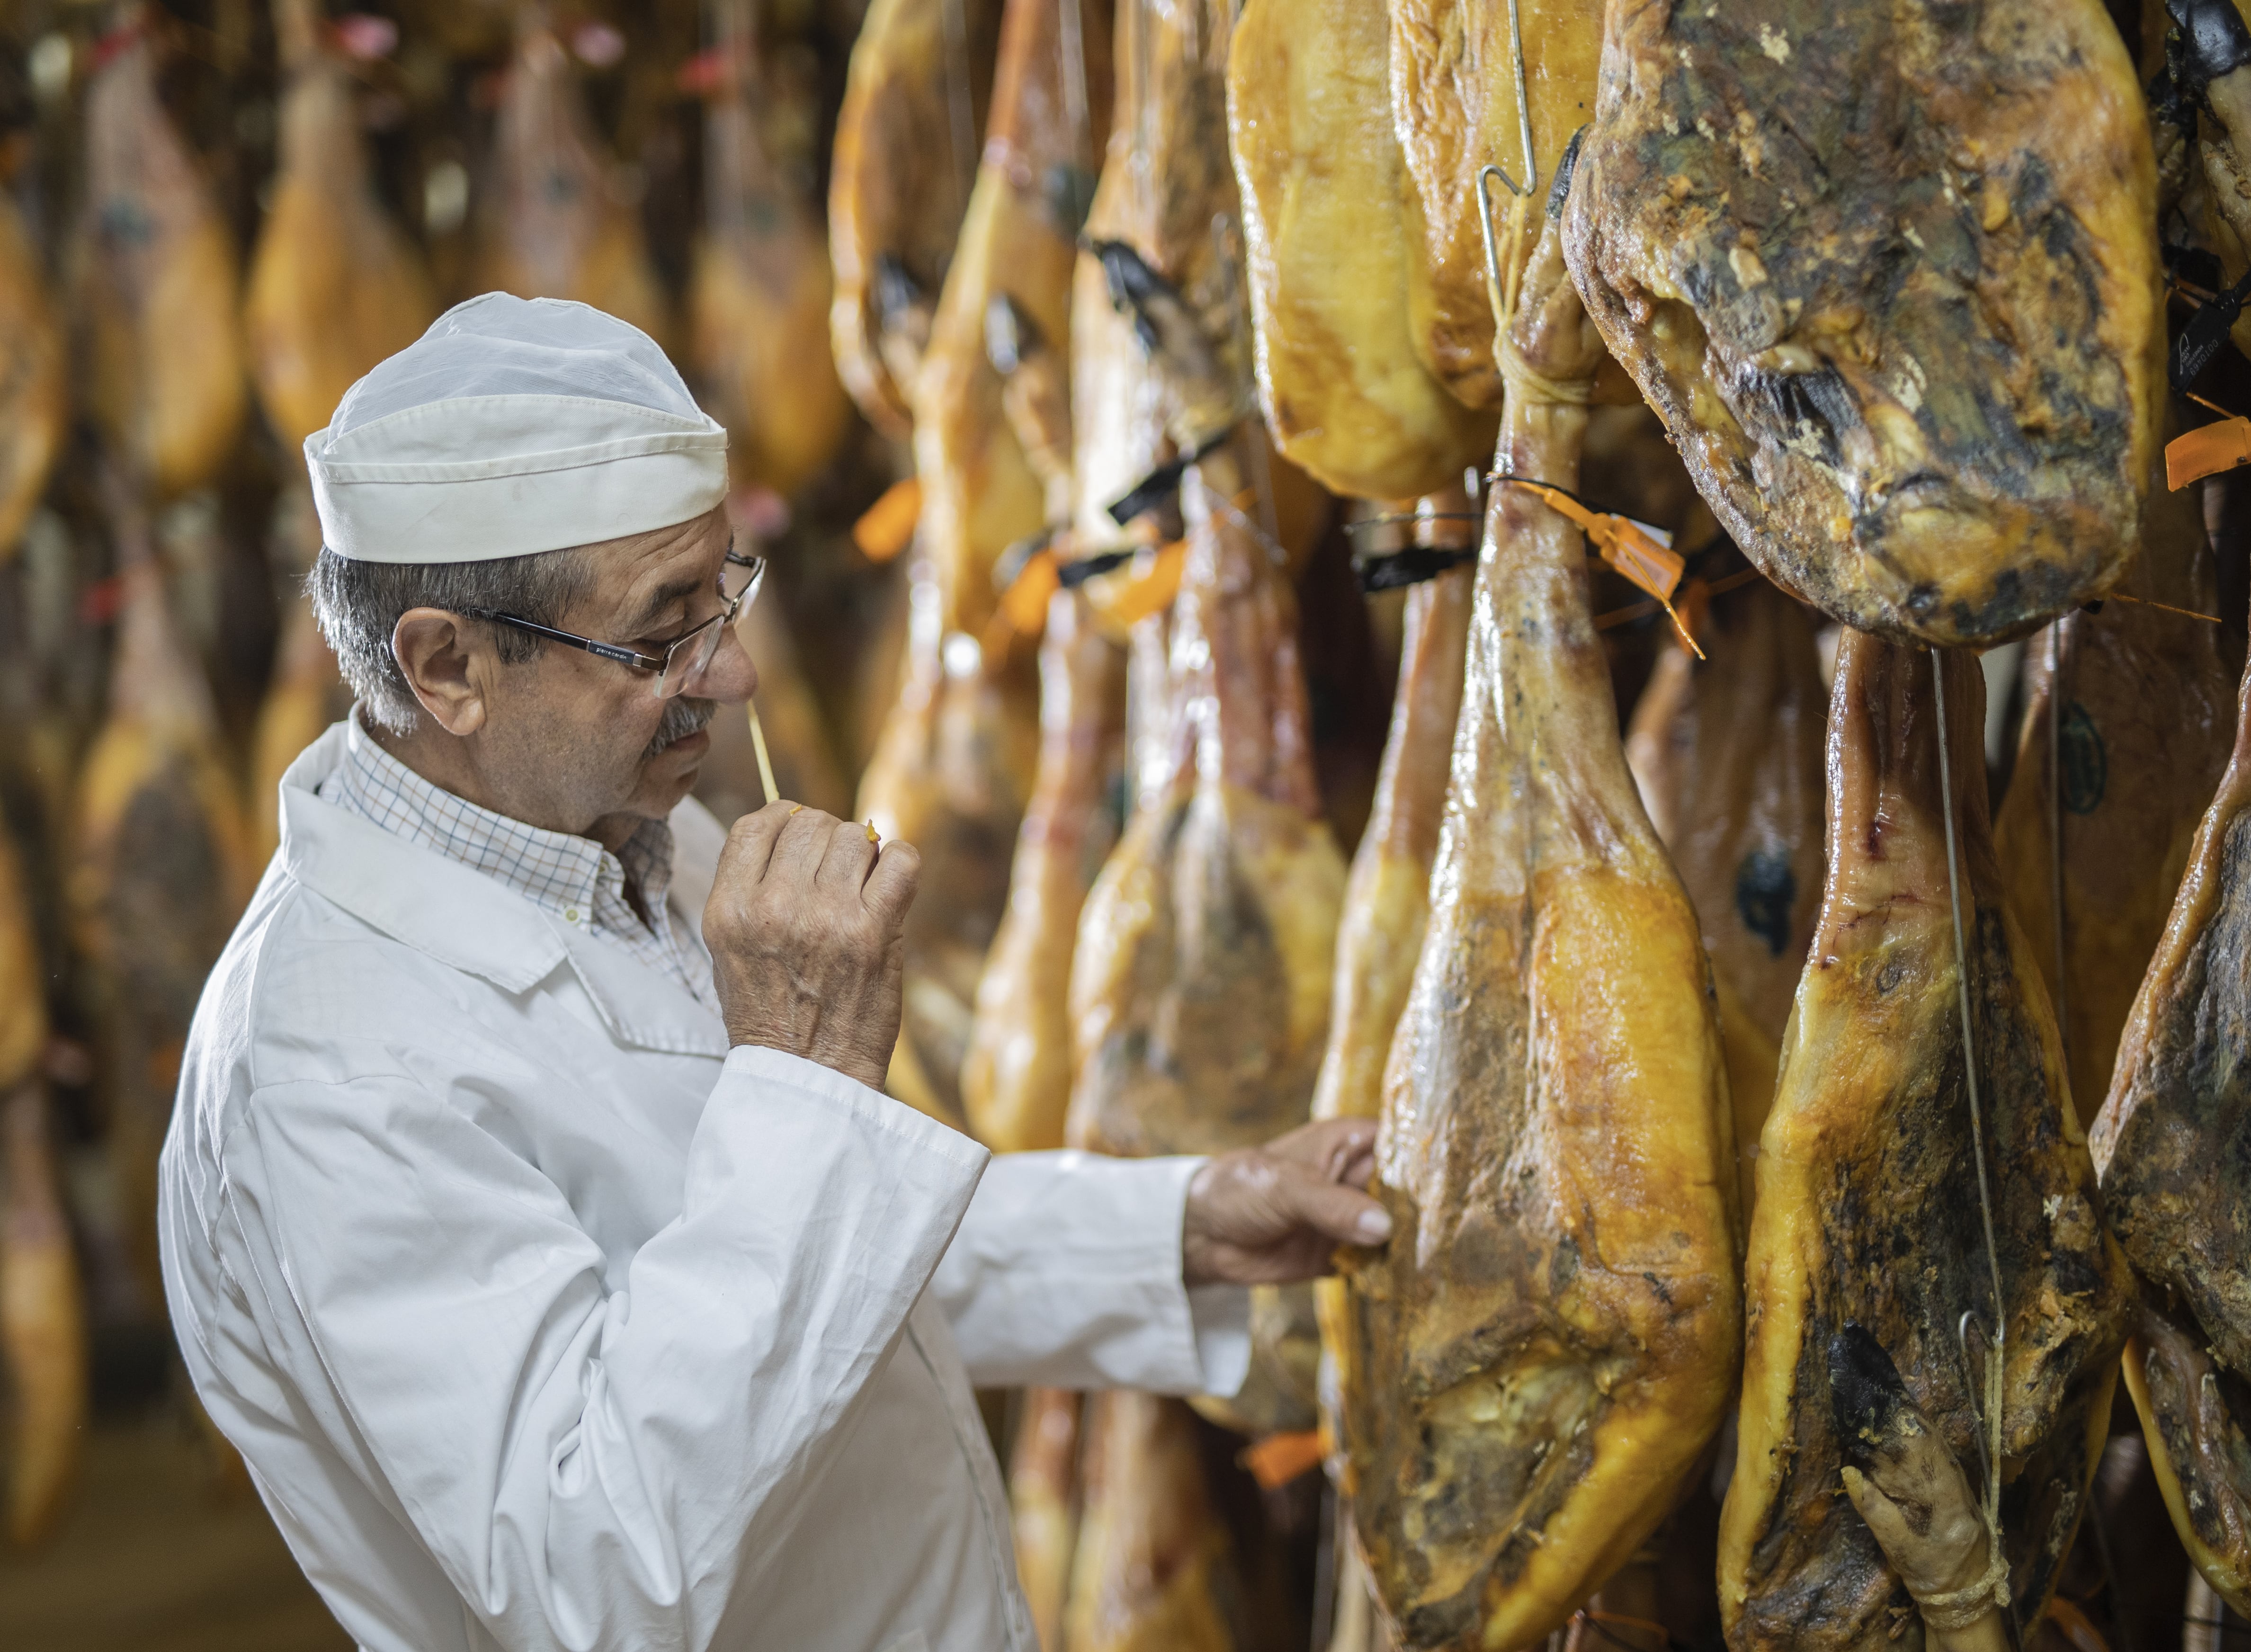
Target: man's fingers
(803,842)
(1343,1213)
(846,862)
(751,843)
(1339,1149)
(889,889)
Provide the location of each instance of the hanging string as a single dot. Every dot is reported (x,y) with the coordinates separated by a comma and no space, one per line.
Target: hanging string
(1957,1609)
(961,118)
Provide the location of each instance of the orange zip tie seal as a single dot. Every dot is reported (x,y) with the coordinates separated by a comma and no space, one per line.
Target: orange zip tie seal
(886,527)
(1626,545)
(2208,449)
(1153,592)
(1280,1458)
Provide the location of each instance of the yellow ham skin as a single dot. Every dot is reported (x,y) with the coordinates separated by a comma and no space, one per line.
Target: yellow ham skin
(1154,1563)
(1530,1368)
(1016,1083)
(898,185)
(1868,1208)
(1453,106)
(1043,1492)
(34,395)
(1327,253)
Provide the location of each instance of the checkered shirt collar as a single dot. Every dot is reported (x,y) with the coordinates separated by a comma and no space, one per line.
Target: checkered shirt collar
(570,877)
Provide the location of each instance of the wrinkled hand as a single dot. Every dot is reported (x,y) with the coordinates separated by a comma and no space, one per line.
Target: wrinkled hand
(1272,1215)
(804,929)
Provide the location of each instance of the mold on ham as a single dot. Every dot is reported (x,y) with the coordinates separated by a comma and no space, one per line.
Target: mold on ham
(1890,275)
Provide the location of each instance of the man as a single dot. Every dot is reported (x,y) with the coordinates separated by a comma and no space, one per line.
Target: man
(565,1279)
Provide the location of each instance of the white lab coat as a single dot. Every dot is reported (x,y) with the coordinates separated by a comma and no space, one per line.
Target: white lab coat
(544,1320)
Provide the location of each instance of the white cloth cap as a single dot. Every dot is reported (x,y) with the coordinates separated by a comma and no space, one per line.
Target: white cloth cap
(513,426)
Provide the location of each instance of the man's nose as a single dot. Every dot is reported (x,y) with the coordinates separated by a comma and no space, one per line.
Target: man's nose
(731,676)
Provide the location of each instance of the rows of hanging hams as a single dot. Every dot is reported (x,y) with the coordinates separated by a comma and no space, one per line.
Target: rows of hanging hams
(1641,593)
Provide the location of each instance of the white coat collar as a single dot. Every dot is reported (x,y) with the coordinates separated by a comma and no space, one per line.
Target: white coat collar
(469,922)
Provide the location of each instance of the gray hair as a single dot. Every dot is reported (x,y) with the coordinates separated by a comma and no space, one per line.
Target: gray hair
(358,604)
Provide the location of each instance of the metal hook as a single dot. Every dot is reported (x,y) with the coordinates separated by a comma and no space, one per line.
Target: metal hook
(1523,113)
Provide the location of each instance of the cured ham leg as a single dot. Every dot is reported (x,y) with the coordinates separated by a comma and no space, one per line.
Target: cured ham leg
(954,767)
(906,149)
(1869,1194)
(42,1306)
(759,297)
(1156,1568)
(1889,274)
(1728,754)
(1200,987)
(555,223)
(159,870)
(2144,737)
(2170,1142)
(155,280)
(1387,902)
(1453,106)
(307,693)
(1309,120)
(334,287)
(1533,1366)
(34,398)
(1015,1083)
(1043,1502)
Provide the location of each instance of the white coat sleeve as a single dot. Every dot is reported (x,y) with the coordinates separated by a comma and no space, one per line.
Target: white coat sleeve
(595,1462)
(1066,1274)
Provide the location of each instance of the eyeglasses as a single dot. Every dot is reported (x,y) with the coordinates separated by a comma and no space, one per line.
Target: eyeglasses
(684,660)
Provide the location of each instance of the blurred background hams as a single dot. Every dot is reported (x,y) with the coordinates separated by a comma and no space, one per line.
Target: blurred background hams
(557,219)
(758,298)
(34,392)
(155,282)
(334,287)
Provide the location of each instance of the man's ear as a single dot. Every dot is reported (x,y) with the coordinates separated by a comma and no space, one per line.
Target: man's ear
(447,665)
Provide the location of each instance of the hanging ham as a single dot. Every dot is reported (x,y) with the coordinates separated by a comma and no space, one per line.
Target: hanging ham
(1015,1083)
(42,1308)
(1454,107)
(906,151)
(334,287)
(2170,1143)
(954,767)
(159,870)
(1870,1193)
(34,396)
(1530,1369)
(758,299)
(1727,756)
(155,280)
(1309,122)
(556,220)
(1890,276)
(2127,772)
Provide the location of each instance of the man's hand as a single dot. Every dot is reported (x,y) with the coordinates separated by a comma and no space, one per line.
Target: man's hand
(804,929)
(1272,1215)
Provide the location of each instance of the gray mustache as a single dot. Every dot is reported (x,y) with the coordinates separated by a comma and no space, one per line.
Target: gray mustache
(682,717)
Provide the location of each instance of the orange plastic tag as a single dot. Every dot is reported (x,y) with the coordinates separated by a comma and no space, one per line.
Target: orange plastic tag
(1024,605)
(1633,548)
(2207,451)
(1153,592)
(1280,1458)
(887,527)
